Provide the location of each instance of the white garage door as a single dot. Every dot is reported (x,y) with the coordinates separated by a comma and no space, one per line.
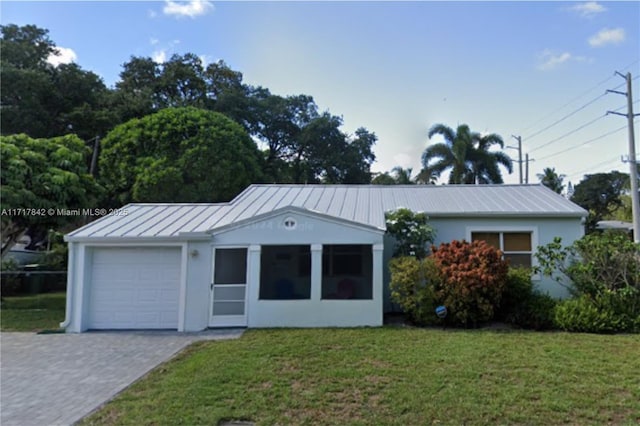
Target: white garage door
(134,288)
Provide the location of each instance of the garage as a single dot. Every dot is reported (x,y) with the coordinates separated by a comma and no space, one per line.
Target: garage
(134,288)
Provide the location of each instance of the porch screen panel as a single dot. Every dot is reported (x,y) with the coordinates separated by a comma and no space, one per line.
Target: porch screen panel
(347,271)
(285,272)
(231,266)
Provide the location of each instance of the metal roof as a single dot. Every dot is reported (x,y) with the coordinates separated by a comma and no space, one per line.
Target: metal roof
(360,204)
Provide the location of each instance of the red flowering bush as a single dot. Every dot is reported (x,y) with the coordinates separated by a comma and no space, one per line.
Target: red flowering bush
(473,279)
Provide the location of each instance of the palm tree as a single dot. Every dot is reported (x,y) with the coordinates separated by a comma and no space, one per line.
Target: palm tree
(467,154)
(486,163)
(452,154)
(551,179)
(399,176)
(402,176)
(427,176)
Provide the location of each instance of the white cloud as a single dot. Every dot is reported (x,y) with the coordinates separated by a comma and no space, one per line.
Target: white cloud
(588,9)
(153,41)
(159,56)
(607,36)
(64,55)
(403,160)
(191,8)
(549,60)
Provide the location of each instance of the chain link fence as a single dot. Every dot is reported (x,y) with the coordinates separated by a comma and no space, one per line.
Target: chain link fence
(32,281)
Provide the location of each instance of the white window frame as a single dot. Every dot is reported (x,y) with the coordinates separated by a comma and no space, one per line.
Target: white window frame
(508,229)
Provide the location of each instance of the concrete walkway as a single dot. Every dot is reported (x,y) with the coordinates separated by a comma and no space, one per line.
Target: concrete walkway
(56,379)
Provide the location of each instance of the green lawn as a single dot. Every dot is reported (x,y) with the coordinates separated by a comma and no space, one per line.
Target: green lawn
(391,376)
(32,313)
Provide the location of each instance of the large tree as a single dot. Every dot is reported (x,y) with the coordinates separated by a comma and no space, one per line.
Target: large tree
(467,154)
(551,179)
(600,194)
(43,100)
(40,180)
(147,86)
(179,155)
(324,154)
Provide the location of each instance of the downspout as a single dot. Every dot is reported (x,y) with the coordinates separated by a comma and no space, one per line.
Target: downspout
(70,275)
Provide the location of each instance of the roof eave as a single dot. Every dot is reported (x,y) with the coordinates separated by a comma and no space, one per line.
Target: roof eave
(563,215)
(180,238)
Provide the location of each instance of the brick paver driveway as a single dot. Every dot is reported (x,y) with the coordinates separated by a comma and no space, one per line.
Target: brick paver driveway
(56,379)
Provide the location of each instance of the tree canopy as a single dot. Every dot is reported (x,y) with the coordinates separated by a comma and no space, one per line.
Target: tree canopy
(467,154)
(600,194)
(39,179)
(300,143)
(179,155)
(398,176)
(42,100)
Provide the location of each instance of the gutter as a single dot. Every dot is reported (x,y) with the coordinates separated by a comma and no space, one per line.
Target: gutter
(182,237)
(70,275)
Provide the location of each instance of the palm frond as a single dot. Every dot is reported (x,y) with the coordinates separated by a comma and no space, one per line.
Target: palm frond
(436,151)
(504,160)
(441,129)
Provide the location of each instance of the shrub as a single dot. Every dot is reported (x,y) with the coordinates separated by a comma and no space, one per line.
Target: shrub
(517,290)
(583,314)
(524,306)
(411,232)
(604,276)
(536,313)
(594,263)
(473,278)
(413,283)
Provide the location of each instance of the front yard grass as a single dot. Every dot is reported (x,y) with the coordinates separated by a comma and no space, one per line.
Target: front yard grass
(32,313)
(390,376)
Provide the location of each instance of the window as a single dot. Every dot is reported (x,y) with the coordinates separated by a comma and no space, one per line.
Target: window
(347,272)
(516,246)
(285,272)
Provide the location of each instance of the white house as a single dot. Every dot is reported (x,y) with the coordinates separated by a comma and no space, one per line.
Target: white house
(285,255)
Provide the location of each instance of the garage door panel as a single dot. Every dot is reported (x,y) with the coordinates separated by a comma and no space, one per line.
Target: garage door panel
(135,288)
(168,295)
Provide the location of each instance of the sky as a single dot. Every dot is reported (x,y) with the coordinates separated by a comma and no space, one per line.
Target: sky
(537,70)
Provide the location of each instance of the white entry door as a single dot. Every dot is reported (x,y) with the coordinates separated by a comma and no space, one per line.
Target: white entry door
(229,288)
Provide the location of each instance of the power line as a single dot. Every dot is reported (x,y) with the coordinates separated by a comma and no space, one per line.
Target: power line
(615,159)
(568,133)
(583,143)
(555,111)
(565,117)
(575,130)
(577,97)
(572,113)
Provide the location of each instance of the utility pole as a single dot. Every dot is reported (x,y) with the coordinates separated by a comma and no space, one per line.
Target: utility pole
(519,148)
(633,162)
(527,168)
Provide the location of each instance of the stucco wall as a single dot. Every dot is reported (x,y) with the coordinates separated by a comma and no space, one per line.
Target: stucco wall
(198,292)
(313,231)
(545,230)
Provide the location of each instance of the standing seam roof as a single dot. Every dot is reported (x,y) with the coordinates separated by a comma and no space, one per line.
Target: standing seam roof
(363,204)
